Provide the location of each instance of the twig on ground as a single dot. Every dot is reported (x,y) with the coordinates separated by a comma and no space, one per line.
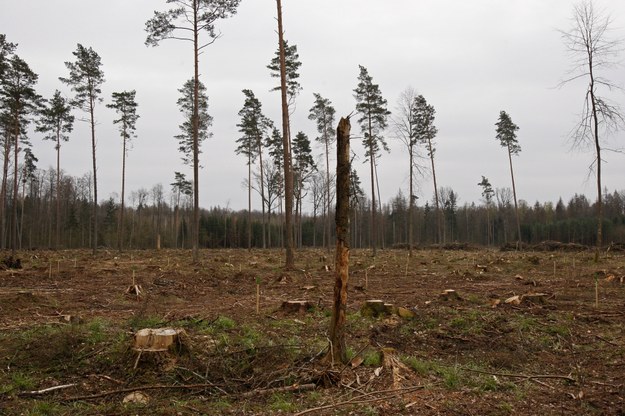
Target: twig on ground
(525,376)
(140,388)
(606,341)
(293,388)
(105,377)
(361,399)
(46,391)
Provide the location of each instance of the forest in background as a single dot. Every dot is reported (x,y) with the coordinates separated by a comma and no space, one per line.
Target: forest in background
(161,216)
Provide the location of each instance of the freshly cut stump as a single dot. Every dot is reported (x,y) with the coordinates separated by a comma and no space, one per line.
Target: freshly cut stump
(157,341)
(154,340)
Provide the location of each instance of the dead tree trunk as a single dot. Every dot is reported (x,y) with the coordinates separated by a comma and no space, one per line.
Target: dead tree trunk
(338,349)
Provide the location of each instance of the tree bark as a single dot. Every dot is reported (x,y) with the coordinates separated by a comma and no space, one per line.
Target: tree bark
(516,206)
(95,177)
(120,226)
(262,190)
(249,202)
(338,350)
(326,220)
(439,217)
(595,121)
(196,131)
(58,187)
(4,191)
(15,187)
(286,144)
(411,201)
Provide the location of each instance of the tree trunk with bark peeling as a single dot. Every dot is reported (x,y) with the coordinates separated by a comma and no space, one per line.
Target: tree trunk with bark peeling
(338,350)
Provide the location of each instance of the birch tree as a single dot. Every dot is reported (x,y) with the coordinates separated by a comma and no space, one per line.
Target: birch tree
(593,51)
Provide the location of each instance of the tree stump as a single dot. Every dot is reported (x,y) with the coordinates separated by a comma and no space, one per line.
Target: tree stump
(374,308)
(406,313)
(157,341)
(534,297)
(449,294)
(296,306)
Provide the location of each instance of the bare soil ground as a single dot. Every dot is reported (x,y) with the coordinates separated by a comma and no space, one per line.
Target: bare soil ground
(67,321)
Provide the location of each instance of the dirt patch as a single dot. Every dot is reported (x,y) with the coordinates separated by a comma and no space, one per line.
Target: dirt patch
(67,318)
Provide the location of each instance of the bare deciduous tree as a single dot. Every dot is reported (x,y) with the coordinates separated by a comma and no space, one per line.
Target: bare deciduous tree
(593,51)
(406,131)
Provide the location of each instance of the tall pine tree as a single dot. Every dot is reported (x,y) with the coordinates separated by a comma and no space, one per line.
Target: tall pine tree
(373,111)
(322,112)
(187,21)
(86,78)
(253,127)
(506,134)
(125,105)
(20,102)
(56,121)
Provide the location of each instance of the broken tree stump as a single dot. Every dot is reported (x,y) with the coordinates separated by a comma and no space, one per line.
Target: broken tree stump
(337,351)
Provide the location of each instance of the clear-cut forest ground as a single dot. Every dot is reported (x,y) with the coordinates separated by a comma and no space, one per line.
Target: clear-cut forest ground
(66,319)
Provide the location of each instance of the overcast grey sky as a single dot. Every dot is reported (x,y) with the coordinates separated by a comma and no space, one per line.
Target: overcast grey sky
(470,59)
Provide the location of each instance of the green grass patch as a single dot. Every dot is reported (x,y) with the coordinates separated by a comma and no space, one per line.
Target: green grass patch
(282,403)
(372,359)
(223,323)
(139,322)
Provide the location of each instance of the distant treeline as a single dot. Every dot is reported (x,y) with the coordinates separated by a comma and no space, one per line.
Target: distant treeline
(157,216)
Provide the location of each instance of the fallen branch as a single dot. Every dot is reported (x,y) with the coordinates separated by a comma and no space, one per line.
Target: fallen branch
(524,376)
(139,388)
(294,387)
(607,341)
(46,391)
(359,399)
